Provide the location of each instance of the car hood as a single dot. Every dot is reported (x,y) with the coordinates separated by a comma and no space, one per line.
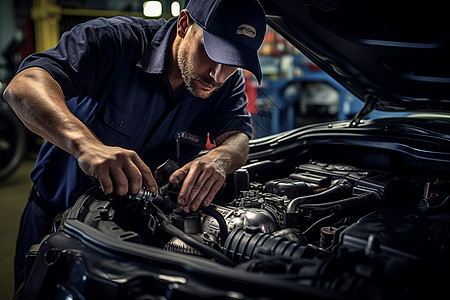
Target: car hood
(394,54)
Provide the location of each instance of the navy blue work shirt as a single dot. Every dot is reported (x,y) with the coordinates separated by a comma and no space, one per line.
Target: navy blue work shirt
(113,73)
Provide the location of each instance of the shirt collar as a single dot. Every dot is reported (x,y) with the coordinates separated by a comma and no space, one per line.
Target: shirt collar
(154,60)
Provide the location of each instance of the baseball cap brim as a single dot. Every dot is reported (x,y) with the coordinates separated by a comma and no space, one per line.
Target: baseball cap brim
(228,52)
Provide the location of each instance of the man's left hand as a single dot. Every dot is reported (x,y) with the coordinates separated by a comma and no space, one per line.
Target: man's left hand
(202,178)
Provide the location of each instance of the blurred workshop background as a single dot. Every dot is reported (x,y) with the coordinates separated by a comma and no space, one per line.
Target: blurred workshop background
(294,92)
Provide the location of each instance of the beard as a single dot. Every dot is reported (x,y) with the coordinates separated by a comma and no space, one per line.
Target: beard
(189,76)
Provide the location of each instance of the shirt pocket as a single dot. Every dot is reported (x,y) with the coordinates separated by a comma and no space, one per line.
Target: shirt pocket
(122,122)
(116,127)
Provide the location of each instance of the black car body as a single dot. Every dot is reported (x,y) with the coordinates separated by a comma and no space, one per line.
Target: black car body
(355,209)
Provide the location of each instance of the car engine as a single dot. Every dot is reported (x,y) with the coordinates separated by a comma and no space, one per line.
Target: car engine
(335,227)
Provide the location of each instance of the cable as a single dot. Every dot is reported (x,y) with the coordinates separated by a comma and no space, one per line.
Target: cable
(171,229)
(318,222)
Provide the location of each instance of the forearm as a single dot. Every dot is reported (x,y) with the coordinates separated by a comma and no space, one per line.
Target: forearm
(39,102)
(232,151)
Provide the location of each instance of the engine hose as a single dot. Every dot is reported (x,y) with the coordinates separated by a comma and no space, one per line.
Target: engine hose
(210,211)
(339,190)
(347,207)
(244,244)
(171,229)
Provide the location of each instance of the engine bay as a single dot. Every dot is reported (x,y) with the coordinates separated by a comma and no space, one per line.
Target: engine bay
(329,226)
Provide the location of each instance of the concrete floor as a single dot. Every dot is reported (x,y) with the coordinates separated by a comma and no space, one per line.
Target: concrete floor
(13,197)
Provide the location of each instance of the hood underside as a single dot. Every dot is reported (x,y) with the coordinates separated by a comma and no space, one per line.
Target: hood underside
(396,52)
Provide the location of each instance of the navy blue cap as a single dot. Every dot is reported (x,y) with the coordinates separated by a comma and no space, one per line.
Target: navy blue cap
(233,31)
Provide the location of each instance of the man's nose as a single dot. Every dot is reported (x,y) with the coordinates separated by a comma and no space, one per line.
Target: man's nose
(219,72)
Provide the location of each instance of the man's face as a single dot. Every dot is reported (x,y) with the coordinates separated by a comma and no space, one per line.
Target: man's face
(201,75)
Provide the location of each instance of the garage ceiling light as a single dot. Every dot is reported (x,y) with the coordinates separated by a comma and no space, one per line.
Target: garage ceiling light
(175,8)
(152,8)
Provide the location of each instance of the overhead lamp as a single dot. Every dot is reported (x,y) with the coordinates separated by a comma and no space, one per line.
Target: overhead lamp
(152,8)
(175,8)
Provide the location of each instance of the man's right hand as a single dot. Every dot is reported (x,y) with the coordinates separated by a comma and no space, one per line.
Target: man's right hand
(117,169)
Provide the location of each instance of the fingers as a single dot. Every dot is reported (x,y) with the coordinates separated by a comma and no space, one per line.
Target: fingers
(105,181)
(205,194)
(179,174)
(133,174)
(202,180)
(120,181)
(118,170)
(147,177)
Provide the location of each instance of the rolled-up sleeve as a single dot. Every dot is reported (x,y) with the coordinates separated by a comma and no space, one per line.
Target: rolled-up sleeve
(85,54)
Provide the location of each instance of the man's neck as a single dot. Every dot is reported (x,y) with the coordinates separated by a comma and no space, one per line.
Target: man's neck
(174,74)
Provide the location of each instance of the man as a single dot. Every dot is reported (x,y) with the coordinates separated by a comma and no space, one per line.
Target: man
(117,97)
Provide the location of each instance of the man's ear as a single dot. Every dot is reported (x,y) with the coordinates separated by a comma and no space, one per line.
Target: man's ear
(183,23)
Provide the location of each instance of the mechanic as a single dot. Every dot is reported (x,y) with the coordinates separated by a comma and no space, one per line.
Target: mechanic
(117,97)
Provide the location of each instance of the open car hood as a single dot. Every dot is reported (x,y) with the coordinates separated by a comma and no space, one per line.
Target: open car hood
(324,211)
(393,54)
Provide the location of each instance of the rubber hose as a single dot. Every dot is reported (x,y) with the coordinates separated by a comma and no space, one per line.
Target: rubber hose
(349,206)
(171,229)
(339,190)
(220,220)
